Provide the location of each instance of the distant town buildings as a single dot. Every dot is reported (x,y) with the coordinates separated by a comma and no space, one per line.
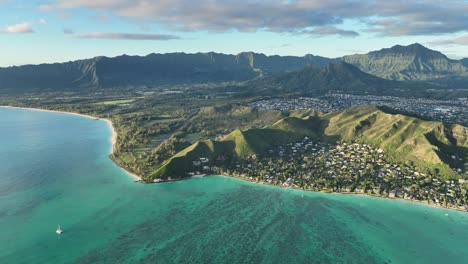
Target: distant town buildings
(448,111)
(347,168)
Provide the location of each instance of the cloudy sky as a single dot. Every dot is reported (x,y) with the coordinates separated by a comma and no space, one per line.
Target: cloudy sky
(35,31)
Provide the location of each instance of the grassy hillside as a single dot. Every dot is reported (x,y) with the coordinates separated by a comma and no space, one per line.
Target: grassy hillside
(426,143)
(239,144)
(429,145)
(180,163)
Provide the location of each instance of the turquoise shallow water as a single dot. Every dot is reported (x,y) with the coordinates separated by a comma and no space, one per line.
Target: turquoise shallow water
(54,170)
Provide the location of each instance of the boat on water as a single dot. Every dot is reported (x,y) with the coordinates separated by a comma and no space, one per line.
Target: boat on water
(59,230)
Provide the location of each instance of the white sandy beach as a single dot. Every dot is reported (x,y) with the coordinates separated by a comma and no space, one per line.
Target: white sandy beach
(424,203)
(109,123)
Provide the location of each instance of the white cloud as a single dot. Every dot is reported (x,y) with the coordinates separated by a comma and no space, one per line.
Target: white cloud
(324,31)
(391,18)
(72,4)
(25,27)
(463,40)
(112,35)
(42,21)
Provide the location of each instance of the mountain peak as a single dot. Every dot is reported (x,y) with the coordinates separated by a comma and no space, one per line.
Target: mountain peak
(250,53)
(340,76)
(412,62)
(413,49)
(417,46)
(152,70)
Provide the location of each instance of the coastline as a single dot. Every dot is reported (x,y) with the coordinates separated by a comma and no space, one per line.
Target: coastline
(113,137)
(424,203)
(139,179)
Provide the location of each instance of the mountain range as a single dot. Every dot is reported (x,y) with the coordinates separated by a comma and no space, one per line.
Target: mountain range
(150,70)
(342,77)
(413,62)
(335,77)
(403,63)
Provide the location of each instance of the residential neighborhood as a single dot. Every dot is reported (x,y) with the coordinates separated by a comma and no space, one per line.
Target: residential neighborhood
(448,111)
(343,168)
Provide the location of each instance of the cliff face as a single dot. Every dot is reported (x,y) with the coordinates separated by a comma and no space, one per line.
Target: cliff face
(153,69)
(413,62)
(464,62)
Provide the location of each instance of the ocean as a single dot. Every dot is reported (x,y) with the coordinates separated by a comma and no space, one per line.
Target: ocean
(55,170)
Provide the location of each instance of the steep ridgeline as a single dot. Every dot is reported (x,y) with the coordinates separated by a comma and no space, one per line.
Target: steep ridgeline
(430,145)
(464,62)
(340,77)
(153,69)
(57,76)
(413,62)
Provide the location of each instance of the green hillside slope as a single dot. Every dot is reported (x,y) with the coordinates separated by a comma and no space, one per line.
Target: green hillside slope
(429,145)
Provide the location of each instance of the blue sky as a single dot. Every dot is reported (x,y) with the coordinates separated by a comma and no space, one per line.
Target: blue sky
(43,31)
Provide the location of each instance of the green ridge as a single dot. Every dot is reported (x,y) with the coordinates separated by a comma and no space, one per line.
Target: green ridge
(427,144)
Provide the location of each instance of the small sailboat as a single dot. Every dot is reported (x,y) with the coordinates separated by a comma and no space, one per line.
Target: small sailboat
(59,230)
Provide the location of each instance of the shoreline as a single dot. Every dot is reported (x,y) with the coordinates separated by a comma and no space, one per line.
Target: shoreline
(113,137)
(139,179)
(424,203)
